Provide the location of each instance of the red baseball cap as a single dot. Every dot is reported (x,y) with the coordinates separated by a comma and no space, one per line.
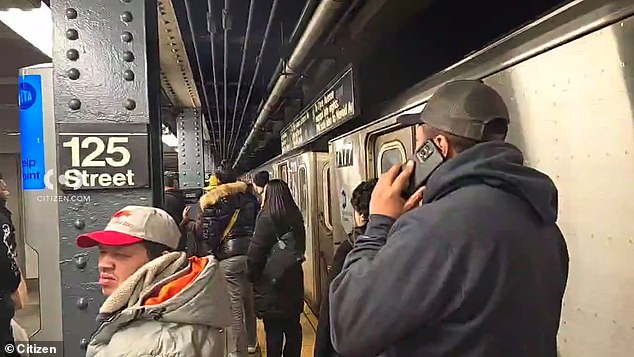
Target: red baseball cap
(134,224)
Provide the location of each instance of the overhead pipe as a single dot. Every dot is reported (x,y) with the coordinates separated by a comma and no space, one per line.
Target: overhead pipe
(245,46)
(225,25)
(304,18)
(210,29)
(200,70)
(319,24)
(258,62)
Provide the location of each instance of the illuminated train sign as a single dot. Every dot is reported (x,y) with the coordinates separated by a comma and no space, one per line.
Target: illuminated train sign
(336,104)
(95,158)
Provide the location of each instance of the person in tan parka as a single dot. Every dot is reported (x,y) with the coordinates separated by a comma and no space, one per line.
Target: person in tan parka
(159,303)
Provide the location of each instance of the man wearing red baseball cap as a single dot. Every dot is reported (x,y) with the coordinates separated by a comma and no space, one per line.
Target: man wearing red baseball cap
(159,302)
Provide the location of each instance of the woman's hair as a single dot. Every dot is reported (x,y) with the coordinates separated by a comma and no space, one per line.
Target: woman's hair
(155,250)
(225,174)
(361,197)
(279,203)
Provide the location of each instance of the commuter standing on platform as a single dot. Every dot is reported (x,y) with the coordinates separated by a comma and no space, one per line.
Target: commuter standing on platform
(260,180)
(225,228)
(479,269)
(158,302)
(360,201)
(9,270)
(279,303)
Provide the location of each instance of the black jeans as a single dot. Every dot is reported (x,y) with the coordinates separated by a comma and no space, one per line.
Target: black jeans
(276,330)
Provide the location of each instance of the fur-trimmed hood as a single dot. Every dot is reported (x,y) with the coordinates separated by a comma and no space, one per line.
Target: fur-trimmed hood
(221,191)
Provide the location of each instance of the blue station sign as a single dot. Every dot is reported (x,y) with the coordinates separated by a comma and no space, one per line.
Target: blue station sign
(32,131)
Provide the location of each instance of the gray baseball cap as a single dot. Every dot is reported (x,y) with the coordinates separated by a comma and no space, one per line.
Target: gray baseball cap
(464,108)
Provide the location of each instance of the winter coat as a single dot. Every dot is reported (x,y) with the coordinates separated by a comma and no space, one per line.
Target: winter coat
(323,344)
(479,269)
(218,207)
(171,306)
(286,299)
(174,205)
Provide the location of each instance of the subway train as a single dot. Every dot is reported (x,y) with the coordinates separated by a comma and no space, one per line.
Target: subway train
(568,81)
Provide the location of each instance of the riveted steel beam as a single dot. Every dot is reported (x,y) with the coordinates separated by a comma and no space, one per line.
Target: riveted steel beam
(177,75)
(108,133)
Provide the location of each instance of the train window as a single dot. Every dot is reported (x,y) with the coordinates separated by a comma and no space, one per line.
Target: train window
(284,172)
(303,191)
(326,192)
(390,154)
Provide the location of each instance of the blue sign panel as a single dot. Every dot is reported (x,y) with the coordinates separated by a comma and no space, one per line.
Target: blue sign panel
(32,132)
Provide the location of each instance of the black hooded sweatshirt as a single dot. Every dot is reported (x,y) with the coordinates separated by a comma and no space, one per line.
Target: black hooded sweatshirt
(479,269)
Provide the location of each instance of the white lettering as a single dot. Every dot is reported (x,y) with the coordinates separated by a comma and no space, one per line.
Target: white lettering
(104,180)
(77,179)
(119,179)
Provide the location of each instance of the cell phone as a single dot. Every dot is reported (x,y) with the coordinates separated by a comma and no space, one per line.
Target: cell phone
(426,160)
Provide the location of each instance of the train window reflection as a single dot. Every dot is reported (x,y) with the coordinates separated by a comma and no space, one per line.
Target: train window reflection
(303,191)
(390,154)
(326,192)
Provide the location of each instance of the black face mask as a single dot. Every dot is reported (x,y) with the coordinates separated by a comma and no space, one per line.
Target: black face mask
(3,202)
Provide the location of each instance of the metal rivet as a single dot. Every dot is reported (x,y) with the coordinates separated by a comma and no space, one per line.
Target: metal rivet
(128,75)
(129,104)
(72,54)
(71,13)
(73,73)
(82,303)
(83,344)
(126,16)
(72,34)
(79,224)
(128,56)
(126,36)
(74,104)
(81,262)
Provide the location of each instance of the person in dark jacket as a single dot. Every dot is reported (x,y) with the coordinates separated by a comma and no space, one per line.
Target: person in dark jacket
(174,200)
(479,269)
(174,204)
(279,305)
(360,201)
(260,180)
(9,270)
(225,227)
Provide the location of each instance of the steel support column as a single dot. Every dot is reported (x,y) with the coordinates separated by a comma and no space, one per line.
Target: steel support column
(106,85)
(190,149)
(208,160)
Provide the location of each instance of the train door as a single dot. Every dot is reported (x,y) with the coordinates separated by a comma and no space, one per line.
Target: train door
(392,148)
(305,191)
(324,225)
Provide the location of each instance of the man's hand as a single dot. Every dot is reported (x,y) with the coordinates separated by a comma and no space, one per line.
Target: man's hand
(386,197)
(186,213)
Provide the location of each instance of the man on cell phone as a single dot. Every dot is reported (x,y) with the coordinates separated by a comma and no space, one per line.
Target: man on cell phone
(479,269)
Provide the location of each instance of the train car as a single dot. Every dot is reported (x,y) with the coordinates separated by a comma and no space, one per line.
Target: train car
(568,81)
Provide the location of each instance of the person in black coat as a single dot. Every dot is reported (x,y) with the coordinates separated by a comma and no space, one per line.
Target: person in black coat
(174,204)
(279,305)
(9,270)
(361,203)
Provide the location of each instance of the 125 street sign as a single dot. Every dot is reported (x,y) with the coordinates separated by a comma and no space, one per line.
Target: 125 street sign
(93,157)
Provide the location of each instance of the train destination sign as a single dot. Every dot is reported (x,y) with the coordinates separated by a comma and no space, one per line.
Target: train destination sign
(335,105)
(92,157)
